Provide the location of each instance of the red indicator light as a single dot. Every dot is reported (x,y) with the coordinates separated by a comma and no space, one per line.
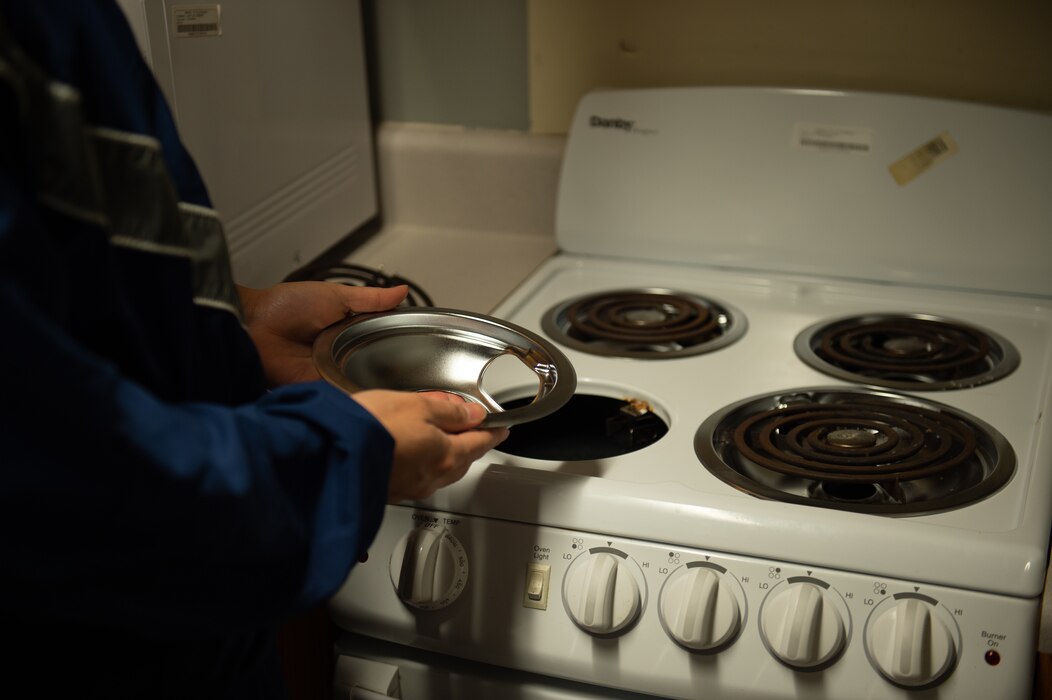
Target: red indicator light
(992,657)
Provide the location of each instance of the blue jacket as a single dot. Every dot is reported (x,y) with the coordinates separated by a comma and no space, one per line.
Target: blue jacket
(156,502)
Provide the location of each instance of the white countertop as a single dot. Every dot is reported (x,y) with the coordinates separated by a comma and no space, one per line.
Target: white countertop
(468,213)
(458,269)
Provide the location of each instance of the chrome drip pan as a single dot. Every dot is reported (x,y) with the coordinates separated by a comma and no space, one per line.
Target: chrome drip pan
(857,449)
(436,349)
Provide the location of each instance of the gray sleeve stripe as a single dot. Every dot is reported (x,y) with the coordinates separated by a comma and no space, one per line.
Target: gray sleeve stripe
(73,211)
(151,247)
(116,180)
(141,140)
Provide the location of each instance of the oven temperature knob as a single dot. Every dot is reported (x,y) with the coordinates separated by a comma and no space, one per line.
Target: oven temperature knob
(429,568)
(601,592)
(910,642)
(699,608)
(801,624)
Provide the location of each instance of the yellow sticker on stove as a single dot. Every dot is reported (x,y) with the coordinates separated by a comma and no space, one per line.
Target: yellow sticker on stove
(922,159)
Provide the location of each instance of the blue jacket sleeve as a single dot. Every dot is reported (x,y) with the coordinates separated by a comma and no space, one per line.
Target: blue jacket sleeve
(118,508)
(144,480)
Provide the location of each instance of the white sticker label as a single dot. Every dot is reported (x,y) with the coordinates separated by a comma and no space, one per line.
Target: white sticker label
(196,20)
(830,137)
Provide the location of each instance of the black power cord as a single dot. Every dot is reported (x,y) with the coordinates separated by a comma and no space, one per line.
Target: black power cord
(359,276)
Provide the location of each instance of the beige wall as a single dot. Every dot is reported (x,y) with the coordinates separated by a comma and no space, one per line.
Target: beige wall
(996,51)
(449,61)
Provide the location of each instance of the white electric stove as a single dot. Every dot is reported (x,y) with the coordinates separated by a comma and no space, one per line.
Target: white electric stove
(807,454)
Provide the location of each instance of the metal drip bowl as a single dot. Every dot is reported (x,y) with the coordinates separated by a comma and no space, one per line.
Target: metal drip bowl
(855,449)
(442,350)
(645,322)
(906,351)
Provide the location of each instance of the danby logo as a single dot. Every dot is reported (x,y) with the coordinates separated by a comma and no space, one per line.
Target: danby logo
(611,123)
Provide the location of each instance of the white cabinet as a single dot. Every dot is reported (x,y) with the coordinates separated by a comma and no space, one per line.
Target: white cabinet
(271,99)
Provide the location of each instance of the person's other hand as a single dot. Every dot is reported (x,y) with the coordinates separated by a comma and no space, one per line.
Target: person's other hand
(284,320)
(434,438)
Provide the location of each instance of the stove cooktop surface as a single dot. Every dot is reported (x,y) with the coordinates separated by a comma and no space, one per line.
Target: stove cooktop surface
(776,255)
(799,243)
(687,392)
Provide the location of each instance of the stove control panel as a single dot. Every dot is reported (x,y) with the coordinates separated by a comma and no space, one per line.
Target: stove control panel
(664,619)
(911,640)
(701,607)
(802,623)
(603,591)
(429,568)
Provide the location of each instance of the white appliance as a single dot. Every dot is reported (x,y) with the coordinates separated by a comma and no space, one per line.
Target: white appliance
(271,100)
(896,549)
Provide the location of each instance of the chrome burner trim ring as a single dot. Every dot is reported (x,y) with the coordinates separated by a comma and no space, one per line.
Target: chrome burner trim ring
(432,349)
(712,445)
(1004,355)
(731,322)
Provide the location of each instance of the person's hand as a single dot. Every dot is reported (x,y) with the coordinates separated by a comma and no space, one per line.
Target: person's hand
(283,321)
(434,440)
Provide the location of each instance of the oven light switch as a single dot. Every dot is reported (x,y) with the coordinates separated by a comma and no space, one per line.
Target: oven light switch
(535,587)
(537,577)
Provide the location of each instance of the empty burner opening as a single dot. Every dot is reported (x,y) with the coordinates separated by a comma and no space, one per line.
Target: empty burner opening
(587,427)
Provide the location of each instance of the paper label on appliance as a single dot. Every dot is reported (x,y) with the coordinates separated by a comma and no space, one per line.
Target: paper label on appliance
(835,138)
(922,159)
(191,21)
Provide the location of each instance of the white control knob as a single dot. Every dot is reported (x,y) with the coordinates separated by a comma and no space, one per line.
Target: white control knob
(801,625)
(601,593)
(699,608)
(909,644)
(429,568)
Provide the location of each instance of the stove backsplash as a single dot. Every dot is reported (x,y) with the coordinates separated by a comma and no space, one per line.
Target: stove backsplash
(860,186)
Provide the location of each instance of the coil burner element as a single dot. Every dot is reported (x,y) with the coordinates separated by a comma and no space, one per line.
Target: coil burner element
(855,450)
(906,352)
(643,323)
